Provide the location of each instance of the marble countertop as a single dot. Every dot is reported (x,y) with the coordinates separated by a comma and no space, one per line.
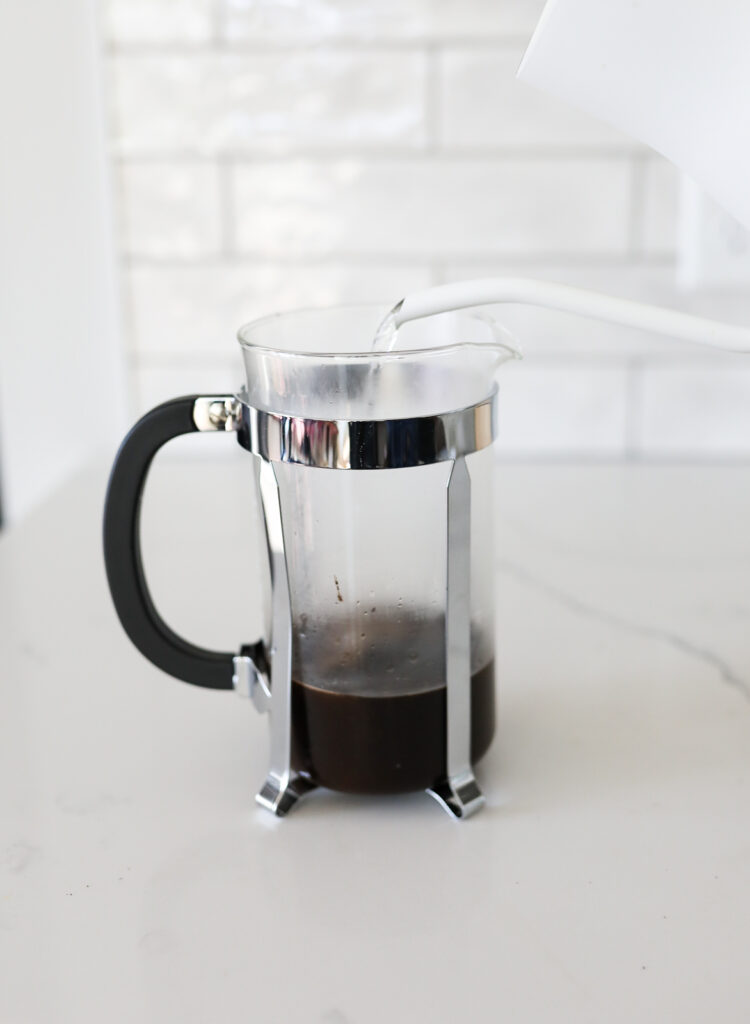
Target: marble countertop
(607,879)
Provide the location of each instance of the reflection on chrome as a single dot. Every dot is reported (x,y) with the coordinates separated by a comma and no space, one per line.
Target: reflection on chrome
(368,444)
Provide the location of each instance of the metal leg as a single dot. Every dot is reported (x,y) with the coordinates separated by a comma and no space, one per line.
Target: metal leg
(282,787)
(458,792)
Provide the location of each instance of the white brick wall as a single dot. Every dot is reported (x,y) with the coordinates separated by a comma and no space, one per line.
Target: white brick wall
(377,20)
(274,155)
(158,21)
(422,208)
(170,210)
(718,398)
(209,104)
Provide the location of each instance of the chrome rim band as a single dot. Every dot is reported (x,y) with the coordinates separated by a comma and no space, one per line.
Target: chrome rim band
(368,444)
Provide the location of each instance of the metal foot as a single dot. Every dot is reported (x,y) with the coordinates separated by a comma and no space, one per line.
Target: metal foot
(279,797)
(459,796)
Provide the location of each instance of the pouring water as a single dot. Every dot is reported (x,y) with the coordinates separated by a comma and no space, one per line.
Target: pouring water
(386,334)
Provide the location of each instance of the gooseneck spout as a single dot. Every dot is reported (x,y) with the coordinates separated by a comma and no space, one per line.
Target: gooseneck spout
(595,305)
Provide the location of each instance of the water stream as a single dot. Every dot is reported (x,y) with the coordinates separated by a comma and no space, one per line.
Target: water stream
(387,333)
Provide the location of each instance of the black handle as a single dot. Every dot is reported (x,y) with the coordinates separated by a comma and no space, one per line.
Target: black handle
(122,551)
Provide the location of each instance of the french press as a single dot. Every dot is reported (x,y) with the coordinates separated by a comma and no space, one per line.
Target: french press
(375,476)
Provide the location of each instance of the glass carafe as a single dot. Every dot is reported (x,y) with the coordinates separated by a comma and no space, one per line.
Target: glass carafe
(375,473)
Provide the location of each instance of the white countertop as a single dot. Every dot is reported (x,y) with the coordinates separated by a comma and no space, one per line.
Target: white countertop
(608,878)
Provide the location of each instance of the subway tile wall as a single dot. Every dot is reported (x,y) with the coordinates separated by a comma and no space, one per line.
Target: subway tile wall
(272,154)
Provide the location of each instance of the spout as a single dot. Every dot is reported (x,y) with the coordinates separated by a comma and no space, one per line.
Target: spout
(595,305)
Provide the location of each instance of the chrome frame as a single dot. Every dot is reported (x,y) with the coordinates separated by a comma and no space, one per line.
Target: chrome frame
(458,793)
(367,444)
(349,444)
(283,786)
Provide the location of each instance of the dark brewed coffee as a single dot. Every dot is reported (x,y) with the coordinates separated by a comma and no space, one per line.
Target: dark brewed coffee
(383,744)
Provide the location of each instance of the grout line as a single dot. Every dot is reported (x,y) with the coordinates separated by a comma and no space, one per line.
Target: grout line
(484,266)
(226,210)
(432,101)
(637,205)
(218,25)
(220,43)
(135,391)
(127,304)
(633,405)
(494,262)
(397,152)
